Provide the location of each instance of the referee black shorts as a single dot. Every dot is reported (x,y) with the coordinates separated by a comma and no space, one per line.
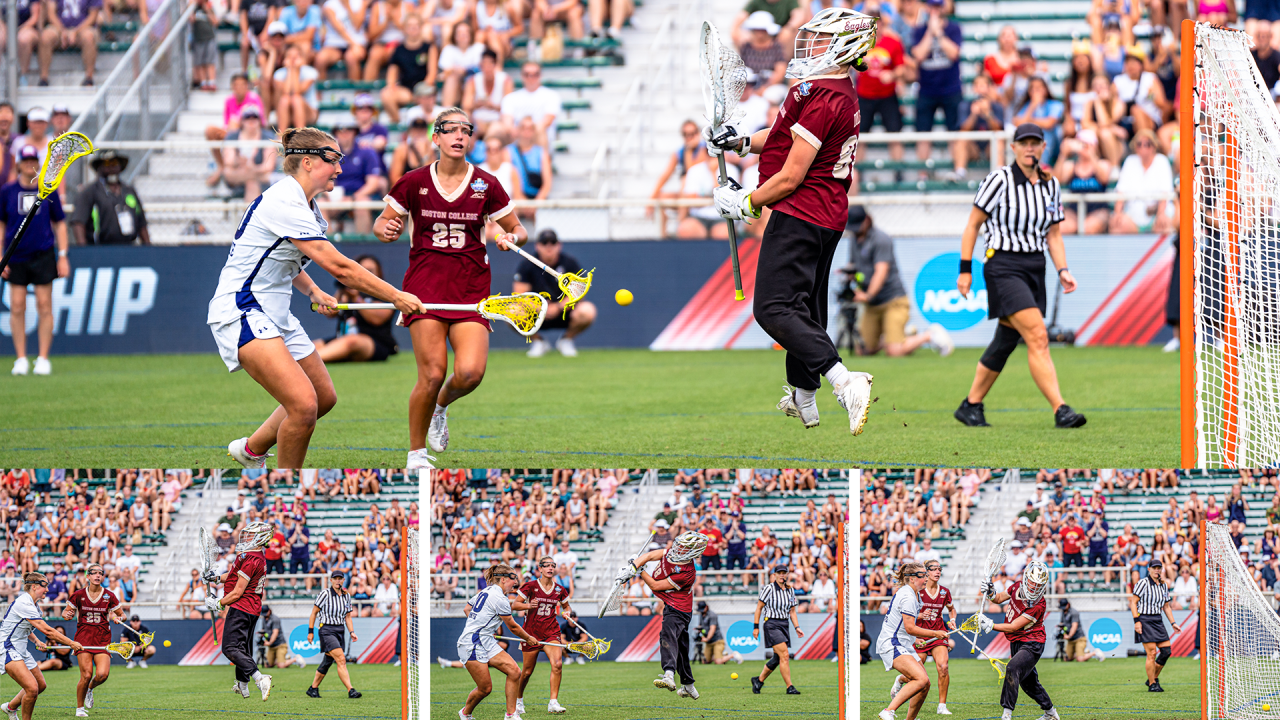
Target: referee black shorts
(331,637)
(1015,282)
(1153,629)
(777,631)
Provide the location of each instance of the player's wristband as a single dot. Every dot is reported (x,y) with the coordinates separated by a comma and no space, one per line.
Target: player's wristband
(1062,270)
(62,253)
(756,625)
(311,629)
(966,267)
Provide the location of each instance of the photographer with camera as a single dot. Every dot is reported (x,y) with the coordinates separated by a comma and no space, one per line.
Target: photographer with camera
(880,288)
(712,636)
(1072,644)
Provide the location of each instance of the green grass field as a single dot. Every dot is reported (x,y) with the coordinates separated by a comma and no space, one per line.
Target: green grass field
(165,692)
(625,691)
(1110,690)
(606,408)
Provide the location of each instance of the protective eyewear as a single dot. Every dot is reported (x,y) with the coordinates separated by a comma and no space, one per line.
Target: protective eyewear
(448,127)
(550,564)
(326,153)
(511,576)
(96,572)
(918,574)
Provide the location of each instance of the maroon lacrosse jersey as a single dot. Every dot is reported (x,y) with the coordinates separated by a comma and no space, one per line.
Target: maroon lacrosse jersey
(251,566)
(824,111)
(447,259)
(930,618)
(92,625)
(1017,608)
(540,620)
(682,576)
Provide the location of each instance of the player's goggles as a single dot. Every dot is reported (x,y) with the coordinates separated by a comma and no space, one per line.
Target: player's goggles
(327,153)
(96,571)
(918,574)
(547,563)
(447,127)
(511,576)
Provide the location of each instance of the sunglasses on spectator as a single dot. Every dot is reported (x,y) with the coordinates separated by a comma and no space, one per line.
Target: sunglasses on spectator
(530,73)
(1144,143)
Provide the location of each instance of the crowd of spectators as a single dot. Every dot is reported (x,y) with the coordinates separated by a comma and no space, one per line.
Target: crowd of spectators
(503,516)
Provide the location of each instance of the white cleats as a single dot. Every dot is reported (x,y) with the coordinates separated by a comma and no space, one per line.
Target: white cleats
(855,397)
(438,432)
(43,367)
(80,712)
(554,707)
(897,685)
(887,714)
(519,706)
(88,699)
(12,713)
(239,451)
(942,709)
(1174,345)
(566,347)
(666,682)
(21,366)
(443,663)
(539,348)
(687,691)
(940,340)
(419,460)
(1050,714)
(242,688)
(142,664)
(788,405)
(264,684)
(512,716)
(462,715)
(1006,715)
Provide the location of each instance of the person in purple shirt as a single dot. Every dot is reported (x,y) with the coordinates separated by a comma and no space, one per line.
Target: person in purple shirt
(29,12)
(360,178)
(71,23)
(935,46)
(370,133)
(36,261)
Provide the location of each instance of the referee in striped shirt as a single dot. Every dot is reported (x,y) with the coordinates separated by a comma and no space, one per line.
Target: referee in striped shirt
(1151,597)
(778,601)
(1020,208)
(333,609)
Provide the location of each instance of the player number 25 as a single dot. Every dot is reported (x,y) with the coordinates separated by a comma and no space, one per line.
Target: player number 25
(847,153)
(455,235)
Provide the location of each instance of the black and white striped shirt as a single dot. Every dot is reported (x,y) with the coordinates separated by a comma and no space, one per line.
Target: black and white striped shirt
(1152,597)
(333,607)
(778,601)
(1020,211)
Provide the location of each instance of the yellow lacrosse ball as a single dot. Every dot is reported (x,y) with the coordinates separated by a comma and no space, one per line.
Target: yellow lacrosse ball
(733,676)
(623,297)
(167,643)
(1266,708)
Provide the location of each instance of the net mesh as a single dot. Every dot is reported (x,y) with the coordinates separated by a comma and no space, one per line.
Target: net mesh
(208,551)
(1242,636)
(524,312)
(847,651)
(410,655)
(588,648)
(574,286)
(724,77)
(615,599)
(995,558)
(62,151)
(125,649)
(1236,256)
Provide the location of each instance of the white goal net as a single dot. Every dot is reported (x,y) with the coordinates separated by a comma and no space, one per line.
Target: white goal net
(1240,645)
(415,638)
(847,648)
(1233,158)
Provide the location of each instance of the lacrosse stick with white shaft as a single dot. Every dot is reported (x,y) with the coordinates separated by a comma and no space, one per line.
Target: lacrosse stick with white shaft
(589,649)
(604,645)
(524,311)
(724,76)
(572,285)
(615,597)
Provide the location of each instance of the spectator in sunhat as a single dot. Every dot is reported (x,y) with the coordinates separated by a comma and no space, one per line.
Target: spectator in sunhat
(108,211)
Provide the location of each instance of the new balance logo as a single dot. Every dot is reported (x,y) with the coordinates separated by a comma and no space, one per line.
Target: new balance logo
(422,191)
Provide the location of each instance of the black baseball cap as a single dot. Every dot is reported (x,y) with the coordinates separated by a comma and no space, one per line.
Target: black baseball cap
(702,604)
(1028,130)
(1063,604)
(548,237)
(1155,564)
(265,609)
(857,215)
(135,617)
(780,569)
(337,574)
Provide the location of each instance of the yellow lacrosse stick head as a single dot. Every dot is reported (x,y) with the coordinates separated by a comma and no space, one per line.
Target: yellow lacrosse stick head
(1000,666)
(603,645)
(147,638)
(574,287)
(61,153)
(524,311)
(125,649)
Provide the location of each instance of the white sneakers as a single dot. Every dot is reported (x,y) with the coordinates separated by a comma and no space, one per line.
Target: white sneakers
(579,659)
(242,688)
(566,347)
(88,699)
(942,709)
(239,451)
(554,707)
(897,685)
(1050,714)
(438,431)
(12,713)
(21,366)
(1174,344)
(141,663)
(737,656)
(302,663)
(667,681)
(130,665)
(940,340)
(539,348)
(1006,715)
(687,691)
(419,460)
(855,396)
(443,663)
(264,684)
(513,716)
(886,714)
(462,714)
(80,712)
(519,706)
(808,414)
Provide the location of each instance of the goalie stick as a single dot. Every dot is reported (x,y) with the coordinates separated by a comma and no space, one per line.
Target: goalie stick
(615,596)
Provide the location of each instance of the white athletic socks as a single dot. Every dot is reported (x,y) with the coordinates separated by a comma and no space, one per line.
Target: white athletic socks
(441,410)
(838,375)
(257,675)
(805,398)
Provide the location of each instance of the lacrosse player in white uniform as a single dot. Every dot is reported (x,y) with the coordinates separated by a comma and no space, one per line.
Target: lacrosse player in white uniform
(896,644)
(22,617)
(479,649)
(279,235)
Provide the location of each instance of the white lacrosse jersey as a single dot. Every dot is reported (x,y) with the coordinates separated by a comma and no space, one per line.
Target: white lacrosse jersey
(488,607)
(265,258)
(16,627)
(892,634)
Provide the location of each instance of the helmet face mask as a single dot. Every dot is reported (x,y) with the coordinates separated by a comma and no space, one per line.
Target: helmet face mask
(687,548)
(834,38)
(1034,582)
(255,536)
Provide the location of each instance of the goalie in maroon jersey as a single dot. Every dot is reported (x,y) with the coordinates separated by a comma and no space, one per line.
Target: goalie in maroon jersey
(934,598)
(672,582)
(1024,628)
(541,598)
(806,159)
(242,598)
(93,608)
(448,202)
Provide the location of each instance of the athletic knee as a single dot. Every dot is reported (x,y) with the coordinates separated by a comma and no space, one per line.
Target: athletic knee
(1002,346)
(468,378)
(325,401)
(1037,339)
(943,670)
(1162,656)
(305,411)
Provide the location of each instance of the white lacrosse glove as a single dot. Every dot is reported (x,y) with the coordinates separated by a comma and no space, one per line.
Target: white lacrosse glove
(627,572)
(734,202)
(727,139)
(987,588)
(212,605)
(985,624)
(210,576)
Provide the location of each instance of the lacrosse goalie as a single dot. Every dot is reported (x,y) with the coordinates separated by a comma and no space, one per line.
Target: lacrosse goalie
(805,163)
(1024,628)
(242,587)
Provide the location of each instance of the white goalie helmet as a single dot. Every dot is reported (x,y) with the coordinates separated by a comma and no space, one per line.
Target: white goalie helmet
(255,536)
(1034,581)
(834,37)
(687,548)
